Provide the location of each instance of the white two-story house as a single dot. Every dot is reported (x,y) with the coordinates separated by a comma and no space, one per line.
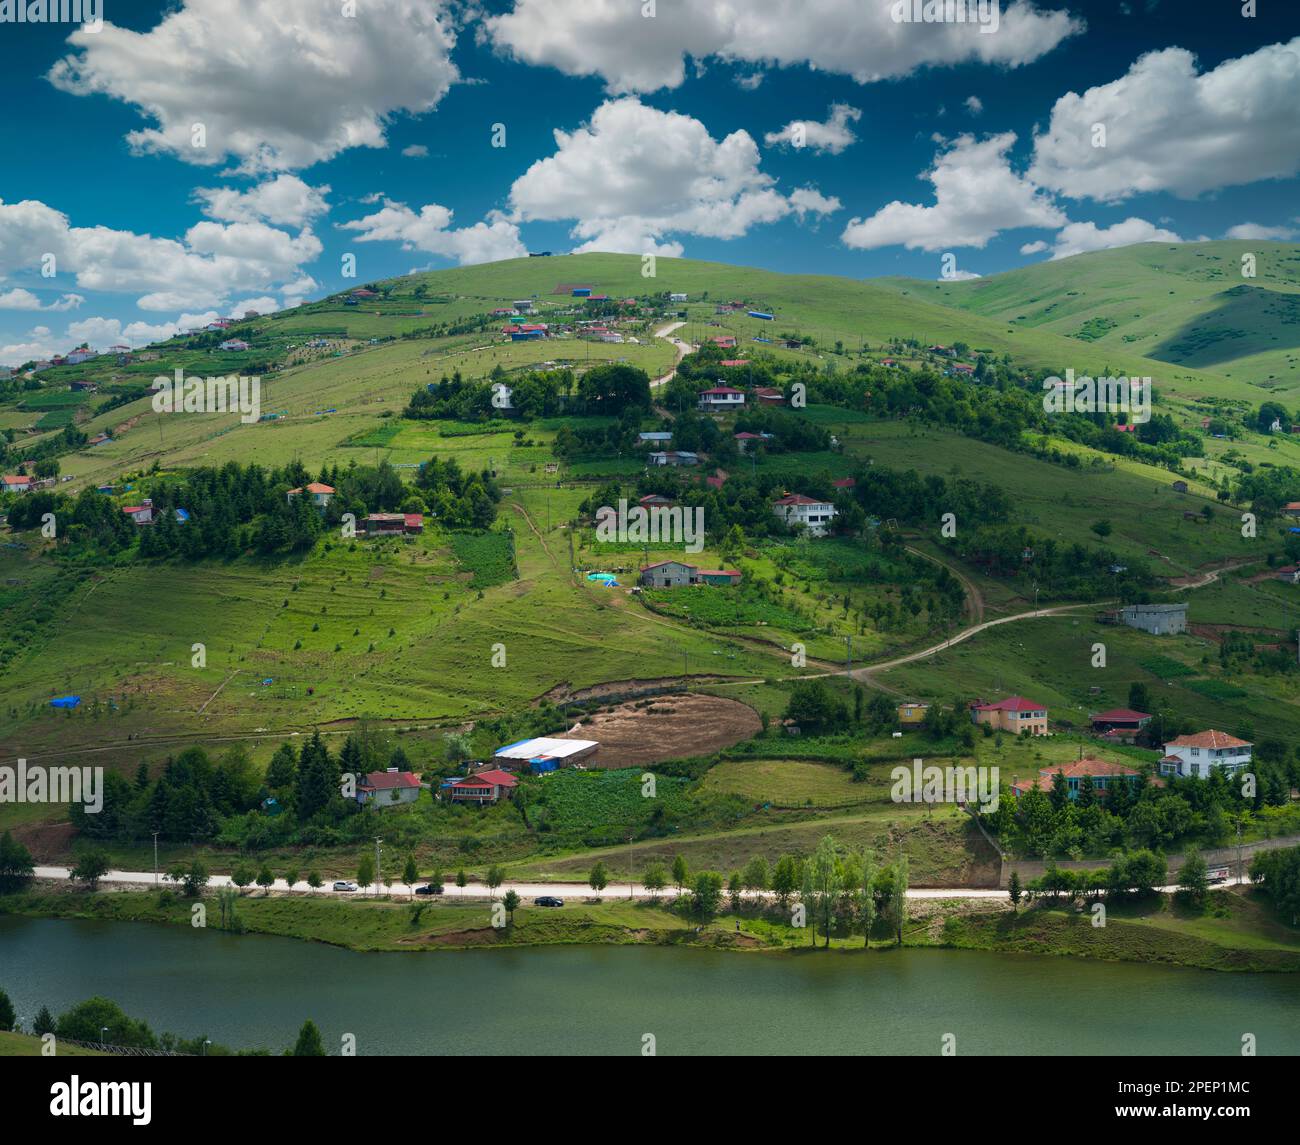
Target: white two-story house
(814,515)
(720,399)
(1196,754)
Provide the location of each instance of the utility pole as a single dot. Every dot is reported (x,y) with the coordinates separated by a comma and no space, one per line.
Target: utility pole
(155,858)
(1239,850)
(848,657)
(378,840)
(630,876)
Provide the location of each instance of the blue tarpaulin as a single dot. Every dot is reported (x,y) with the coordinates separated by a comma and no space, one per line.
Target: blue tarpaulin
(65,701)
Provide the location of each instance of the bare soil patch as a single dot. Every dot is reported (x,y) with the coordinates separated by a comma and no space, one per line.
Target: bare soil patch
(666,727)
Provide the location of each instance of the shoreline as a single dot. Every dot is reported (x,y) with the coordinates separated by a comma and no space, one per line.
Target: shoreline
(1234,936)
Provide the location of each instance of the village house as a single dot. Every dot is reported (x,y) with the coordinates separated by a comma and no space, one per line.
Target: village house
(1157,619)
(843,483)
(320,495)
(769,396)
(674,458)
(668,574)
(1104,776)
(389,788)
(235,345)
(141,514)
(16,484)
(1015,714)
(82,355)
(654,500)
(720,399)
(812,514)
(1292,509)
(676,574)
(1197,754)
(655,438)
(743,440)
(413,523)
(1288,574)
(482,787)
(912,713)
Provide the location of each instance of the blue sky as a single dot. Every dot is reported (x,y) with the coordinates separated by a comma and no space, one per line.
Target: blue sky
(799,135)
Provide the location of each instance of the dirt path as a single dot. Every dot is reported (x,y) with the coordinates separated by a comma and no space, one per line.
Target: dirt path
(974,598)
(682,349)
(1201,579)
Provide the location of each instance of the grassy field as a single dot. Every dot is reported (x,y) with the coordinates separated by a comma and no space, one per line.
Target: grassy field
(28,1046)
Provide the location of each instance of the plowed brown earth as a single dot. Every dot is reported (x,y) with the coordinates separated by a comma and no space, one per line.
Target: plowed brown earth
(668,727)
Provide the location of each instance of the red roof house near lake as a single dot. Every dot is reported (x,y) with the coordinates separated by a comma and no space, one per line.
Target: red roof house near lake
(388,788)
(483,787)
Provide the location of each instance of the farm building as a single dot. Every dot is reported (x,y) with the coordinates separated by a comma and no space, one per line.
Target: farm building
(320,495)
(718,576)
(524,305)
(1288,574)
(389,788)
(1292,509)
(813,515)
(655,438)
(12,484)
(761,315)
(722,398)
(769,396)
(236,345)
(1157,619)
(1180,486)
(543,751)
(724,341)
(651,500)
(1014,714)
(482,787)
(677,298)
(1120,725)
(674,458)
(387,524)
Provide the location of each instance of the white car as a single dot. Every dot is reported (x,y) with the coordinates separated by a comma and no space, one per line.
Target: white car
(341,885)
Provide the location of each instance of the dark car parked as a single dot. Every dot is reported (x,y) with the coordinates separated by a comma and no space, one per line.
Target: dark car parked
(548,900)
(428,889)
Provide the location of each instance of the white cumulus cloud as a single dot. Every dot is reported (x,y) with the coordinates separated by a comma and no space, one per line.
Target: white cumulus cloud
(1079,238)
(430,230)
(1168,128)
(976,196)
(833,136)
(276,85)
(635,175)
(283,201)
(634,53)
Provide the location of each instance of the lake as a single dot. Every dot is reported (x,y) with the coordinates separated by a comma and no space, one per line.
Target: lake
(256,991)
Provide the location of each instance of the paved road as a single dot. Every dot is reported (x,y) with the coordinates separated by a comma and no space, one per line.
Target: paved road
(478,890)
(526,891)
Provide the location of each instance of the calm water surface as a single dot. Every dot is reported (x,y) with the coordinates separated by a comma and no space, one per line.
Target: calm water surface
(256,990)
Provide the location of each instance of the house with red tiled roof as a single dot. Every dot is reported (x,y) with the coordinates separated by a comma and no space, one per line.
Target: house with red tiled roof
(1104,776)
(1119,719)
(482,787)
(1015,714)
(812,514)
(320,494)
(1197,754)
(15,484)
(1292,509)
(844,483)
(389,788)
(141,514)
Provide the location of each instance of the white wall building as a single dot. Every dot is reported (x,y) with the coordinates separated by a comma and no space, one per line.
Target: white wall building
(1196,754)
(813,515)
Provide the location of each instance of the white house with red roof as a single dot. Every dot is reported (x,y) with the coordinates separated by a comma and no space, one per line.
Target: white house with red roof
(389,788)
(1197,754)
(320,494)
(15,484)
(482,787)
(141,514)
(812,514)
(720,399)
(1015,714)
